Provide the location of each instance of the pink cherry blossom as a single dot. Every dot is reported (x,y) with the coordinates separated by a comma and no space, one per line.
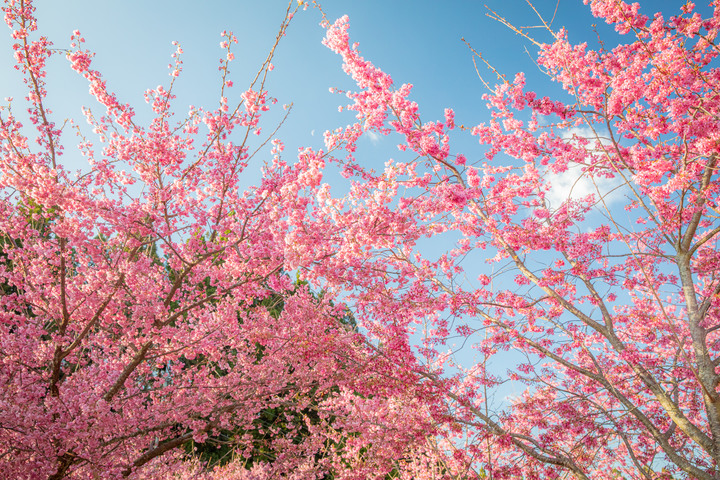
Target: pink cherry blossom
(147,304)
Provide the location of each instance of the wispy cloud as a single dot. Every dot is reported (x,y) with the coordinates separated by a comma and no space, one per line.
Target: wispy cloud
(575,183)
(374,137)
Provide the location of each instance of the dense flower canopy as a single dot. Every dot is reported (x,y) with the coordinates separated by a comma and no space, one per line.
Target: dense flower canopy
(148,305)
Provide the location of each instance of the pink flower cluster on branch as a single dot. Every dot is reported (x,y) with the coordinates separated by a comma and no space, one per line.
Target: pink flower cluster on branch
(610,298)
(146,305)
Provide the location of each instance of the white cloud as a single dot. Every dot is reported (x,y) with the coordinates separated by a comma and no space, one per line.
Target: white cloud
(374,137)
(574,183)
(582,132)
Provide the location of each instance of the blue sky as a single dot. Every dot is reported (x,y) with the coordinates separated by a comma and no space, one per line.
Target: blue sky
(416,42)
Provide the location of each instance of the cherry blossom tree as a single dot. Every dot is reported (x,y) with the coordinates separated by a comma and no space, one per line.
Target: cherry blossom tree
(133,313)
(593,312)
(134,316)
